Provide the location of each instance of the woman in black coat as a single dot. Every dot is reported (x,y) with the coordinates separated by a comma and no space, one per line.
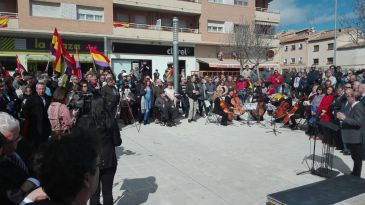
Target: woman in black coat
(108,129)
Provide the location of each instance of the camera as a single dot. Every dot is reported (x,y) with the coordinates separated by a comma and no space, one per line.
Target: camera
(81,102)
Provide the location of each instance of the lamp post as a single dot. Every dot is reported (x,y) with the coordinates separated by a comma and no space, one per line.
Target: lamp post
(175,43)
(335,41)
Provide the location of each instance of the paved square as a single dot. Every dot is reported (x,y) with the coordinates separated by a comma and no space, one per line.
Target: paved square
(198,164)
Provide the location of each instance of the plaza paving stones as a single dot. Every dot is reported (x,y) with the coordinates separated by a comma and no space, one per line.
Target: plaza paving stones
(200,164)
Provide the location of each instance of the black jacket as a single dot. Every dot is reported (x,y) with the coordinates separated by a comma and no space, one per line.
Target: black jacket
(36,112)
(189,90)
(111,96)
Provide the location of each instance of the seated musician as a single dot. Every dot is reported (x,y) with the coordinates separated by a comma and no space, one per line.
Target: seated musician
(229,104)
(218,98)
(270,90)
(167,109)
(295,112)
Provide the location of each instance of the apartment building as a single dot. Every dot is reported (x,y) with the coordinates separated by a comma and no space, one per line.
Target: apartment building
(131,32)
(294,48)
(321,46)
(351,56)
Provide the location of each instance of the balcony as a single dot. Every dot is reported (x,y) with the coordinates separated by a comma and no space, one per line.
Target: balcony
(154,32)
(13,20)
(179,6)
(267,16)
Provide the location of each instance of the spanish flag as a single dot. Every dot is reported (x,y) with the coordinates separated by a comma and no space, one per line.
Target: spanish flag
(121,24)
(99,58)
(4,20)
(19,67)
(57,51)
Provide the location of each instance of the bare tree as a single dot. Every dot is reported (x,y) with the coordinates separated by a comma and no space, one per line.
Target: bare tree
(356,21)
(250,42)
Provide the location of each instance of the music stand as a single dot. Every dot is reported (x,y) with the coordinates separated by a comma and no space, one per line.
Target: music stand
(248,107)
(274,130)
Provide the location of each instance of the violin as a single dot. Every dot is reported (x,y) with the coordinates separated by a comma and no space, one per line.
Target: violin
(225,109)
(238,109)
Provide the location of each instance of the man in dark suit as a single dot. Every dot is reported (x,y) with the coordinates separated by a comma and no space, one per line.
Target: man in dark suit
(35,109)
(362,92)
(353,129)
(110,95)
(15,181)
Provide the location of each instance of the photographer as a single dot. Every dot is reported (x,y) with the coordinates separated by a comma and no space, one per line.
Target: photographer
(81,100)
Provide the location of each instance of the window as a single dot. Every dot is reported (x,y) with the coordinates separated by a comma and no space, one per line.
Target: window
(122,17)
(286,48)
(285,61)
(330,46)
(315,61)
(239,28)
(90,13)
(241,2)
(293,47)
(300,60)
(316,48)
(292,60)
(45,9)
(300,47)
(140,21)
(215,26)
(329,61)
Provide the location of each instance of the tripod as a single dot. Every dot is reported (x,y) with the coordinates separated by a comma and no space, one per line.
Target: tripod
(312,169)
(135,123)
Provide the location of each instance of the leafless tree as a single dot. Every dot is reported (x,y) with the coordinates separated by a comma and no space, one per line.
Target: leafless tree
(356,21)
(250,42)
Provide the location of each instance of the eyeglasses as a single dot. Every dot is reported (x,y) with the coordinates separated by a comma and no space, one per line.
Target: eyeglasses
(5,141)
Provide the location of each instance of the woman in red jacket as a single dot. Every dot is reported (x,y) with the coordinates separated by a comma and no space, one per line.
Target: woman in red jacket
(324,106)
(324,111)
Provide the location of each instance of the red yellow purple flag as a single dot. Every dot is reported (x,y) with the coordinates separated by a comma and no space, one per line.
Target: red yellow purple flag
(99,58)
(19,67)
(57,51)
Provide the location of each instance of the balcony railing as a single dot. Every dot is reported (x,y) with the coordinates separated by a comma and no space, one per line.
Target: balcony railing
(268,10)
(193,1)
(153,27)
(10,14)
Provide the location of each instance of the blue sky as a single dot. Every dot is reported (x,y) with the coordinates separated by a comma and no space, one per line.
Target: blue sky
(299,14)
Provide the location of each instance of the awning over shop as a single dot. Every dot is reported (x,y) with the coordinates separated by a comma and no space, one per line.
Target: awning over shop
(215,63)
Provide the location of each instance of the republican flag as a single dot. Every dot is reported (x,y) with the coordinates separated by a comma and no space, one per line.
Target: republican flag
(70,63)
(4,20)
(19,67)
(99,58)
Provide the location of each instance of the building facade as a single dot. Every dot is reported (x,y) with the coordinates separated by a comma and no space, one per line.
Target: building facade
(131,33)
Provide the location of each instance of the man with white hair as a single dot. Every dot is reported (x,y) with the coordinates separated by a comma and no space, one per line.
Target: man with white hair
(15,180)
(35,110)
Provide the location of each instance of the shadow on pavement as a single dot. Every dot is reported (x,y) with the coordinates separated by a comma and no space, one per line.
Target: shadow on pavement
(119,151)
(136,191)
(338,163)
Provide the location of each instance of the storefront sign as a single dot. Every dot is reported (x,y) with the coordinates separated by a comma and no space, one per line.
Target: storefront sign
(150,49)
(44,44)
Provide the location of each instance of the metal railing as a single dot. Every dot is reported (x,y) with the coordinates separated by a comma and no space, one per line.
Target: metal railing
(10,14)
(156,27)
(193,1)
(268,10)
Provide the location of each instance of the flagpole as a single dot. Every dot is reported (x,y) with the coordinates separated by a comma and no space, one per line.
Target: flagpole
(335,42)
(49,56)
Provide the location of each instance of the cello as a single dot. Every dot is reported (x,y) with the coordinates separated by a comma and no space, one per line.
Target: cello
(281,111)
(238,109)
(225,109)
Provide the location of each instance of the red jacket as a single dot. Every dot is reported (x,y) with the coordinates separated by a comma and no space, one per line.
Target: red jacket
(325,105)
(276,81)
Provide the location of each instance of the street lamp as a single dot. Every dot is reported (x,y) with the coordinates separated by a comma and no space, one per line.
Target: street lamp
(175,43)
(335,42)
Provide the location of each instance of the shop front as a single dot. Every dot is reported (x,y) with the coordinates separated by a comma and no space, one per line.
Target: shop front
(34,52)
(128,56)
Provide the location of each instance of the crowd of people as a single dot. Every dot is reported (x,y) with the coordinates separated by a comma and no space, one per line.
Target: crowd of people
(39,114)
